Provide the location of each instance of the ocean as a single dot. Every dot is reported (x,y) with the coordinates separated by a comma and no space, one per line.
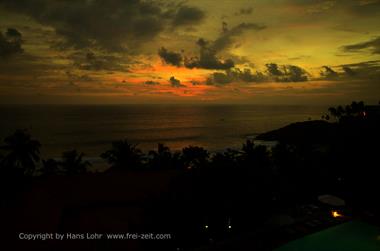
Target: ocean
(92,128)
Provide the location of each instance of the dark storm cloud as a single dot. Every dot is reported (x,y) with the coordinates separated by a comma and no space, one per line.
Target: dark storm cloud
(287,73)
(363,8)
(170,57)
(27,66)
(13,34)
(244,11)
(186,15)
(348,71)
(274,72)
(30,74)
(195,82)
(372,45)
(92,62)
(294,73)
(147,28)
(112,25)
(226,39)
(328,73)
(273,69)
(207,58)
(10,43)
(151,82)
(175,82)
(369,70)
(208,50)
(236,75)
(219,78)
(336,73)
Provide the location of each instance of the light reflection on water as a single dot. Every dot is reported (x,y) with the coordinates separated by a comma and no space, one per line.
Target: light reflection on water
(92,128)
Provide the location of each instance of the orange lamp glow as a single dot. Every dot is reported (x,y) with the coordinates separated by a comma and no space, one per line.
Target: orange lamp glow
(336,214)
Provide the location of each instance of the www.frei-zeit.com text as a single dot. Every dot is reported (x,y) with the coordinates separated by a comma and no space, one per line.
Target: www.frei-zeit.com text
(93,236)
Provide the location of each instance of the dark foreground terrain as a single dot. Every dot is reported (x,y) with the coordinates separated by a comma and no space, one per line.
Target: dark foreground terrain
(320,174)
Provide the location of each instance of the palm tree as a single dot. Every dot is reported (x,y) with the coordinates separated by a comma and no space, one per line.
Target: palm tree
(333,111)
(253,155)
(22,153)
(195,157)
(248,148)
(340,111)
(162,158)
(123,155)
(50,167)
(72,163)
(226,160)
(354,110)
(325,117)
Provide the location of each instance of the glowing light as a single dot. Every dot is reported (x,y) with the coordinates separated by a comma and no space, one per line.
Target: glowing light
(336,214)
(206,226)
(229,226)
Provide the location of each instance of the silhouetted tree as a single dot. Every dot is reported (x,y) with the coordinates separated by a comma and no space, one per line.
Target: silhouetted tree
(288,165)
(248,148)
(162,158)
(333,111)
(226,160)
(1,160)
(253,155)
(73,163)
(355,110)
(21,153)
(285,158)
(123,156)
(195,157)
(357,107)
(340,111)
(50,167)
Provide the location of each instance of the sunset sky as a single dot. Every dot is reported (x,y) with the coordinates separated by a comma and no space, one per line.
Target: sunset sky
(199,51)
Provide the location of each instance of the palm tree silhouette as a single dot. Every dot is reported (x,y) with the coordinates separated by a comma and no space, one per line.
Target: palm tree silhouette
(73,163)
(253,155)
(195,157)
(248,148)
(50,167)
(162,158)
(354,110)
(226,160)
(123,156)
(22,153)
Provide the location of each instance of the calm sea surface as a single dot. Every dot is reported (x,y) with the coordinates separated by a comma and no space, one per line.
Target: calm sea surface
(92,128)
